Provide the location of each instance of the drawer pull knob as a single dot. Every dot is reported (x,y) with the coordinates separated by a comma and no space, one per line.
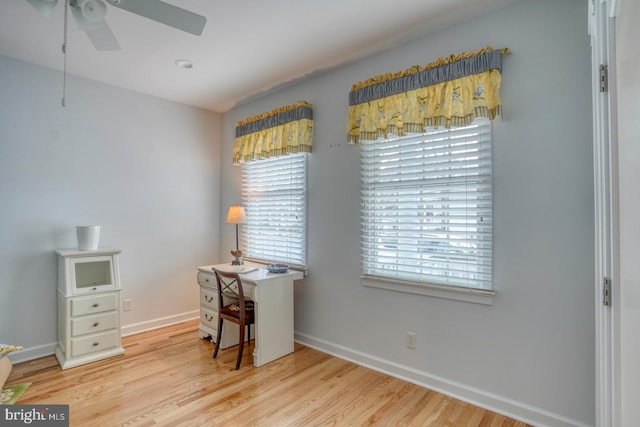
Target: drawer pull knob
(95,344)
(208,298)
(96,324)
(95,289)
(96,305)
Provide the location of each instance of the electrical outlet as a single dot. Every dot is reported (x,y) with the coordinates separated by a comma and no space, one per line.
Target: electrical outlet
(411,339)
(127,305)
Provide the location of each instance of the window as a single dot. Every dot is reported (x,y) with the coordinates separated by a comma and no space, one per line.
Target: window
(427,208)
(274,198)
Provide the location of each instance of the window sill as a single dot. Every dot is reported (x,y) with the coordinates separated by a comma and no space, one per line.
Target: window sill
(477,296)
(295,267)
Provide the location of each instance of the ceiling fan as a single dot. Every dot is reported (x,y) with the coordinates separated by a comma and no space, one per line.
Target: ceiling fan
(89,16)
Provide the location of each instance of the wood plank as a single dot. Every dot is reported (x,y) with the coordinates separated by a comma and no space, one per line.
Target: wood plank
(167,377)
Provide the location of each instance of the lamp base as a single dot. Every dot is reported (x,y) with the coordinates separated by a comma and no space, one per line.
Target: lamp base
(237,261)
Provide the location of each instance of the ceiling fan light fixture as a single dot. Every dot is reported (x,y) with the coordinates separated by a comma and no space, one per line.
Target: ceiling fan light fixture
(93,10)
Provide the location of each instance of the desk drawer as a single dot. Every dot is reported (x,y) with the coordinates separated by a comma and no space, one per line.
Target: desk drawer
(210,286)
(209,318)
(91,324)
(209,298)
(93,343)
(94,304)
(207,279)
(249,291)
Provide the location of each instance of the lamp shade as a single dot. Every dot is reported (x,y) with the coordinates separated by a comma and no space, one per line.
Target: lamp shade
(236,215)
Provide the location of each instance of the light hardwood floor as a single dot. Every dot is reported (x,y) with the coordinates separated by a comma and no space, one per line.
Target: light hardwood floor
(167,377)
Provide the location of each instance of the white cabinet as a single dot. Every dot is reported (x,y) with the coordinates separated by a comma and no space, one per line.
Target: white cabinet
(88,306)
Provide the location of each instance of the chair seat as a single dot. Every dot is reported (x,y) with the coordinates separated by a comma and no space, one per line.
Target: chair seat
(233,310)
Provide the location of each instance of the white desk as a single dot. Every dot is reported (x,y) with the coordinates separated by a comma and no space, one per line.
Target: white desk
(273,297)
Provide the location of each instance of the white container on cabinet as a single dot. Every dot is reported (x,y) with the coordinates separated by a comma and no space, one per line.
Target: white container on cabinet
(88,237)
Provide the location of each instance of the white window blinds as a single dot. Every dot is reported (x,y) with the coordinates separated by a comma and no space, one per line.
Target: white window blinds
(274,198)
(427,207)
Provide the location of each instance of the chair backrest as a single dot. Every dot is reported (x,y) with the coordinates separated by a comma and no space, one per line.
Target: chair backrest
(229,285)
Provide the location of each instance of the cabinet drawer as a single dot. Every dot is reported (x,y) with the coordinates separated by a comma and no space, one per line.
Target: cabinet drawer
(209,298)
(93,304)
(92,343)
(209,318)
(91,324)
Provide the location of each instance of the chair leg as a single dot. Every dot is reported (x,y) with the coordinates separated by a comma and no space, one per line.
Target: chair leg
(240,347)
(218,337)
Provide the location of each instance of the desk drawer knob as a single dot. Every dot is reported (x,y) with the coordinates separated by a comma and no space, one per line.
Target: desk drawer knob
(95,344)
(96,305)
(95,325)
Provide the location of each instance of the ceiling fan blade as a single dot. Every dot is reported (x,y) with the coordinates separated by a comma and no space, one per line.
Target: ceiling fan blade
(165,13)
(102,37)
(43,6)
(98,31)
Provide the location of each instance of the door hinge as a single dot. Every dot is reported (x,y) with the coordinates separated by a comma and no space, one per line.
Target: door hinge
(606,292)
(604,78)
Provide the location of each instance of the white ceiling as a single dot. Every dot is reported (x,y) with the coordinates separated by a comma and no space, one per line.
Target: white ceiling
(247,47)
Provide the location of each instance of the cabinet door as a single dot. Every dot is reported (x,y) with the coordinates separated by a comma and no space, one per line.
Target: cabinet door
(91,274)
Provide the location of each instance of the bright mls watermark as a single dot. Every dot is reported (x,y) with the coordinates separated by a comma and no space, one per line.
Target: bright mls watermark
(35,415)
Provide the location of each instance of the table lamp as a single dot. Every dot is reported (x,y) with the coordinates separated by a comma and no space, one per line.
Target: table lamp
(236,216)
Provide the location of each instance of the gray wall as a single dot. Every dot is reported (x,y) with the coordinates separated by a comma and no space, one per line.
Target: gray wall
(531,353)
(146,170)
(158,177)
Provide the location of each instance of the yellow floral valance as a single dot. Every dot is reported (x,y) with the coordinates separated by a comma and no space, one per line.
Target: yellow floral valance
(451,91)
(282,131)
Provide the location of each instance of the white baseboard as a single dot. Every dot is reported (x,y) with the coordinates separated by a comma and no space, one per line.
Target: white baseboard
(161,322)
(31,353)
(483,399)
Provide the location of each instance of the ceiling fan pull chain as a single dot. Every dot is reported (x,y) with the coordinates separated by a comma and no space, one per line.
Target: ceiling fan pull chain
(64,52)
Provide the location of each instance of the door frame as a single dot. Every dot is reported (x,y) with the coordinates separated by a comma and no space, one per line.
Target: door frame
(602,14)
